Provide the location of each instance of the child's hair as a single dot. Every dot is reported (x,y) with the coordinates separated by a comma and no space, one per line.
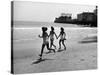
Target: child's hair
(44,29)
(52,28)
(62,30)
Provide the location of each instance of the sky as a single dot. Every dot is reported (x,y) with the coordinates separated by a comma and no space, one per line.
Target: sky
(46,12)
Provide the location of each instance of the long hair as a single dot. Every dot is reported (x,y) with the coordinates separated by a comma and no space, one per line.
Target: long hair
(44,29)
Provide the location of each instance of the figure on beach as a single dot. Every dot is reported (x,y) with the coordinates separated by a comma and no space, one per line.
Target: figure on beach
(62,36)
(51,35)
(45,37)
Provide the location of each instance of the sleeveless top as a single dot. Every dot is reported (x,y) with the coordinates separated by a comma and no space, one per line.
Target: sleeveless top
(62,37)
(45,38)
(51,35)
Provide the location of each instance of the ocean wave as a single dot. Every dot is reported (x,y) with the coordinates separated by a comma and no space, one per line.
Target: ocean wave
(19,40)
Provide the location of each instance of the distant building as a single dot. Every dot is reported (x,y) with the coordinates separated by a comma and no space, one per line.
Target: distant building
(64,18)
(85,16)
(88,18)
(66,14)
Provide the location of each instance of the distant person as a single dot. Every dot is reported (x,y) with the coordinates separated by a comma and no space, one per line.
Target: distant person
(62,36)
(45,41)
(51,35)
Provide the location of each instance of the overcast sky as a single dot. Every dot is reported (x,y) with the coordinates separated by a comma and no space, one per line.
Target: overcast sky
(46,12)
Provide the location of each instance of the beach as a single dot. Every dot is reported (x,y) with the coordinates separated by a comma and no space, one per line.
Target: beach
(80,54)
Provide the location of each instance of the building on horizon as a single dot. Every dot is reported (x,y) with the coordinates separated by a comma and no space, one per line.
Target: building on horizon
(64,18)
(84,18)
(88,18)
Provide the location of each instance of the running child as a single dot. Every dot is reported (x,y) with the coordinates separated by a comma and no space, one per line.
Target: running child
(51,35)
(45,41)
(62,36)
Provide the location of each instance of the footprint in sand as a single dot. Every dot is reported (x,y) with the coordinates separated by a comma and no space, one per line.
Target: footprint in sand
(93,56)
(82,59)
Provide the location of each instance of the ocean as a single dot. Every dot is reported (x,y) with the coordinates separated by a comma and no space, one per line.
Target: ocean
(30,30)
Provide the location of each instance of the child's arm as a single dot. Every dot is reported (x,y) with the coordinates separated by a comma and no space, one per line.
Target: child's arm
(65,35)
(56,35)
(49,35)
(39,36)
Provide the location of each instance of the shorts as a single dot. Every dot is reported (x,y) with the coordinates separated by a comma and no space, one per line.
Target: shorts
(45,43)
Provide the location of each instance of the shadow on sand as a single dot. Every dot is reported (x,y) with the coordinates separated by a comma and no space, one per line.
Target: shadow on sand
(39,61)
(92,41)
(60,50)
(89,40)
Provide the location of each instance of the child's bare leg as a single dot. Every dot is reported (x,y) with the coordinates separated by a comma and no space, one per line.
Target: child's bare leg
(59,44)
(64,44)
(50,48)
(42,50)
(54,46)
(51,44)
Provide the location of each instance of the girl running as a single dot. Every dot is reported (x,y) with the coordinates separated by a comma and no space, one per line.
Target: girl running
(51,35)
(45,41)
(62,36)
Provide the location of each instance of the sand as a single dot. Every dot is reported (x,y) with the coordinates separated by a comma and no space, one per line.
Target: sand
(78,55)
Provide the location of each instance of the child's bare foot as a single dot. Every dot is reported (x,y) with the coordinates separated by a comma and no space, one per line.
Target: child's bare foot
(54,51)
(40,55)
(49,51)
(59,48)
(65,48)
(55,47)
(40,58)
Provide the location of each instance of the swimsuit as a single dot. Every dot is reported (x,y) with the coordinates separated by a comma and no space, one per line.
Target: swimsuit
(45,38)
(51,35)
(62,37)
